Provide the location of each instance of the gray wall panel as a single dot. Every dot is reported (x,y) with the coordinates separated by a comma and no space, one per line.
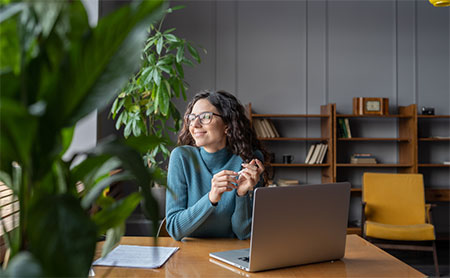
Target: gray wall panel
(433,57)
(406,56)
(271,55)
(226,46)
(361,51)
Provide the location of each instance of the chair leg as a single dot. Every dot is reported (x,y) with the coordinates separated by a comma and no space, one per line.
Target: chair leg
(435,259)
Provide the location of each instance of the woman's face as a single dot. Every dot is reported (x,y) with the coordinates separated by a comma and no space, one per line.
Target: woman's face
(212,136)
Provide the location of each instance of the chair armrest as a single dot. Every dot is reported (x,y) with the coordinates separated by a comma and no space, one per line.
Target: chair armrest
(428,218)
(363,218)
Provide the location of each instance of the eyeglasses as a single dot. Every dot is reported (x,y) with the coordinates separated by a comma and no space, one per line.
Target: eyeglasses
(205,117)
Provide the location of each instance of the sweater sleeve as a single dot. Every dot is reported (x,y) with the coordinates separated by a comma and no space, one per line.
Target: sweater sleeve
(241,220)
(182,220)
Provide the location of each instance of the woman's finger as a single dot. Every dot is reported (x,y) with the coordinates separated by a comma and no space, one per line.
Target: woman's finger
(260,165)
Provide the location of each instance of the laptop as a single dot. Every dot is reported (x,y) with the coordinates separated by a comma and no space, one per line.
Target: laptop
(294,225)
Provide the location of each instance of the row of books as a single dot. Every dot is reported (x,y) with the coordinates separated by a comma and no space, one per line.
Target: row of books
(264,128)
(287,182)
(363,158)
(344,128)
(316,153)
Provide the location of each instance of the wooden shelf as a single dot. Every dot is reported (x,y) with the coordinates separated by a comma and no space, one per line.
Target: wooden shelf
(433,116)
(324,121)
(374,139)
(294,139)
(298,165)
(377,165)
(407,146)
(372,116)
(439,165)
(289,116)
(431,139)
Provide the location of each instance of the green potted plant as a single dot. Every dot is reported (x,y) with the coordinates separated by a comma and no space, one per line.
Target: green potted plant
(54,70)
(145,106)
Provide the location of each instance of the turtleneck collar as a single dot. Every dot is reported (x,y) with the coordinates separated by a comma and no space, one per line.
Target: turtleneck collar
(217,160)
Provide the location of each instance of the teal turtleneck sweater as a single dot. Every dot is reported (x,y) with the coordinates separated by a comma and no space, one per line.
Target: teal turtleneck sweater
(189,212)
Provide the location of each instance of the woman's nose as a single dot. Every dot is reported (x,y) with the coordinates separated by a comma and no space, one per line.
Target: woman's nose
(196,122)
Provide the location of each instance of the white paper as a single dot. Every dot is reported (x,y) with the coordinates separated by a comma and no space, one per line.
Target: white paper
(137,256)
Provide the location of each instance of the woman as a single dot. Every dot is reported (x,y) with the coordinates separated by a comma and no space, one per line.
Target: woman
(218,162)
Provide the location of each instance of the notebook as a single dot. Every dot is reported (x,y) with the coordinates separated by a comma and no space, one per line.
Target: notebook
(294,225)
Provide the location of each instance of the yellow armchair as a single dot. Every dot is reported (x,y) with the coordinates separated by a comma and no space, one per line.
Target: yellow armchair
(394,209)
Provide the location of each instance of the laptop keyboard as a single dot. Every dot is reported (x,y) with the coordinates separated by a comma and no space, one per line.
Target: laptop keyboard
(245,259)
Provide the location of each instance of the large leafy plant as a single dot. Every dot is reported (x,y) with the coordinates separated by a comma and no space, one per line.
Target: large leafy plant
(145,105)
(54,70)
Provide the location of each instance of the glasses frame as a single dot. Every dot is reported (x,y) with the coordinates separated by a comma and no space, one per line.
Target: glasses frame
(200,119)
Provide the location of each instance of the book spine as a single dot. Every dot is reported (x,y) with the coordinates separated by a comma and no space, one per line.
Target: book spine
(269,128)
(274,129)
(347,127)
(342,127)
(310,152)
(265,129)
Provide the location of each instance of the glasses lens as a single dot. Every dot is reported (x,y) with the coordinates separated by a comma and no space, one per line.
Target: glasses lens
(205,118)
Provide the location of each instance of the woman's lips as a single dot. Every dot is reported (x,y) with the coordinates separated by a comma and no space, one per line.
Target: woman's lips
(199,133)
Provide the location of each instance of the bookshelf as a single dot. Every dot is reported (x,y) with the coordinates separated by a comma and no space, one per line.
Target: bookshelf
(403,127)
(433,149)
(325,118)
(416,147)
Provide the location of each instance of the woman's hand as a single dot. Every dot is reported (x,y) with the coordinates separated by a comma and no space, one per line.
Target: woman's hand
(223,181)
(250,176)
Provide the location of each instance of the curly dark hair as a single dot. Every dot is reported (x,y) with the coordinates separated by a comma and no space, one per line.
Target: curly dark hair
(241,136)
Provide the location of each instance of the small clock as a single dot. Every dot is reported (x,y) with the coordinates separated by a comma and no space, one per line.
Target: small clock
(370,106)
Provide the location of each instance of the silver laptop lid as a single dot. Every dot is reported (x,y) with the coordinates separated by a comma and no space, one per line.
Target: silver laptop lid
(298,225)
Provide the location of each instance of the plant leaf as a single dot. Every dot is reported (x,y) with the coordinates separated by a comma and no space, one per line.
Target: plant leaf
(117,213)
(194,53)
(6,179)
(180,54)
(110,54)
(67,136)
(159,45)
(96,190)
(180,70)
(171,37)
(157,77)
(113,236)
(49,218)
(24,264)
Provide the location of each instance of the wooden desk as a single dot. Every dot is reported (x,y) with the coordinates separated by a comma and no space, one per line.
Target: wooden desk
(362,259)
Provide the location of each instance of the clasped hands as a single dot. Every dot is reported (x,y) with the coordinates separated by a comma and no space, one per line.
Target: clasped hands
(243,181)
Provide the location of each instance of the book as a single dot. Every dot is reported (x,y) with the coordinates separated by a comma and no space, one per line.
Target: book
(322,148)
(315,154)
(310,152)
(273,128)
(363,160)
(322,156)
(362,154)
(265,129)
(342,128)
(287,182)
(347,127)
(261,128)
(257,128)
(269,128)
